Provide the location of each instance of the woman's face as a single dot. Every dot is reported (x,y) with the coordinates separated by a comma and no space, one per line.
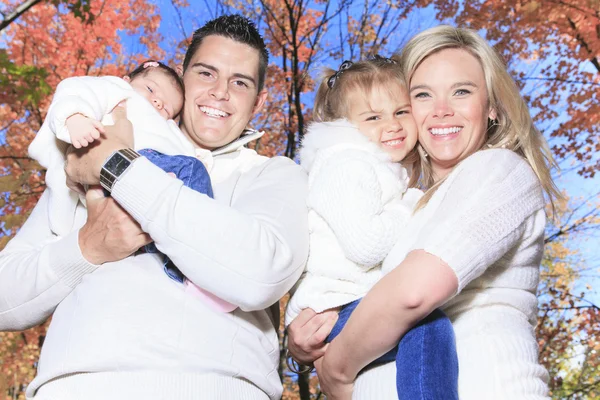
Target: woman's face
(450,104)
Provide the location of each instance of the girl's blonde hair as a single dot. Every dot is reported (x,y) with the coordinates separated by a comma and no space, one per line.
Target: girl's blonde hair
(513,128)
(337,88)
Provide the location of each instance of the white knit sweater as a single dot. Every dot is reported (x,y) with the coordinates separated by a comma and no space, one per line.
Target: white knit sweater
(124,330)
(95,97)
(486,221)
(357,210)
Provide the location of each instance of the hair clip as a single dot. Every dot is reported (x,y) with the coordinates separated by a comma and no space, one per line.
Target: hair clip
(148,64)
(344,66)
(377,57)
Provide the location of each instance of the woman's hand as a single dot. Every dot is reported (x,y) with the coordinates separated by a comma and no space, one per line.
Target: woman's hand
(109,234)
(307,334)
(83,166)
(332,382)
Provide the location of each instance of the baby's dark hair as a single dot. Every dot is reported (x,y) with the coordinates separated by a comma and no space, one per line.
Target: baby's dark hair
(152,65)
(335,91)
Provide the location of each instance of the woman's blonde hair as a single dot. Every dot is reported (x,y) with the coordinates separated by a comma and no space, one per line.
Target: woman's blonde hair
(337,88)
(513,128)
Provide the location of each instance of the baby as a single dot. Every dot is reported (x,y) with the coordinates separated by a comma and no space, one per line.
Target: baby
(81,106)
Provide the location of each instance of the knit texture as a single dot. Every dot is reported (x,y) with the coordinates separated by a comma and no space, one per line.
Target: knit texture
(486,221)
(357,209)
(124,329)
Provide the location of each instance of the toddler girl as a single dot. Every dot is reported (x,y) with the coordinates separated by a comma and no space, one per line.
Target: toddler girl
(81,106)
(359,202)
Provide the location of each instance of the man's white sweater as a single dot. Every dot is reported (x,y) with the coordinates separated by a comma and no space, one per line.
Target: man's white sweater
(486,221)
(124,330)
(358,207)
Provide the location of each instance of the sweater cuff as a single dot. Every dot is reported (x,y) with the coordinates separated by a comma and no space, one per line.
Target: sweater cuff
(133,191)
(68,262)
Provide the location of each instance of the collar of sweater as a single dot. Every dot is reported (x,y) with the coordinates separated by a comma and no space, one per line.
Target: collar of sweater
(338,135)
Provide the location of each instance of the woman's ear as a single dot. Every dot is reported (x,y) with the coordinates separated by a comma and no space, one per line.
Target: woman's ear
(493,114)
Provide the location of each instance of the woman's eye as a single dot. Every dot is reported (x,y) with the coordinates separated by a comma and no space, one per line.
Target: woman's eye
(421,95)
(462,92)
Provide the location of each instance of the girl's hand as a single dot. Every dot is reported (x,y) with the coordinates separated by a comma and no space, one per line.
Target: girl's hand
(307,334)
(333,383)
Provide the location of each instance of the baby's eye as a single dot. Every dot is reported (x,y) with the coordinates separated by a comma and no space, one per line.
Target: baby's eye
(149,89)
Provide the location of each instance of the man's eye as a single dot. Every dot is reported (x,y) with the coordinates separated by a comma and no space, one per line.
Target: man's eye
(240,83)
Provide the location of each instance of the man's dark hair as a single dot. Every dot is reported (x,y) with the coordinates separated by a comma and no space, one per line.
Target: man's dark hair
(237,28)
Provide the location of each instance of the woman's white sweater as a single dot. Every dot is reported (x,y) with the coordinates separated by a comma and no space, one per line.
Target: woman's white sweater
(486,221)
(357,210)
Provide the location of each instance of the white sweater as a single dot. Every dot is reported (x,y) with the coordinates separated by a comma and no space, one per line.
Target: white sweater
(357,211)
(95,98)
(486,221)
(124,330)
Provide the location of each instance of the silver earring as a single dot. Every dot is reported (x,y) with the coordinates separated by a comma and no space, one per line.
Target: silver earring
(425,155)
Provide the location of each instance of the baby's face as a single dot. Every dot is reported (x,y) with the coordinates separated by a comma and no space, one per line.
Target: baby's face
(161,91)
(385,118)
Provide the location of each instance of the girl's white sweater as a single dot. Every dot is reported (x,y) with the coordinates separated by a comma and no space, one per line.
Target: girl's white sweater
(486,221)
(358,207)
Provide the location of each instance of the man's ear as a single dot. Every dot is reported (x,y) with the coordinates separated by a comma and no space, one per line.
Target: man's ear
(126,78)
(261,98)
(179,70)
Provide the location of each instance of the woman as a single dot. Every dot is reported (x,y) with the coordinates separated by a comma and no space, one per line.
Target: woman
(474,244)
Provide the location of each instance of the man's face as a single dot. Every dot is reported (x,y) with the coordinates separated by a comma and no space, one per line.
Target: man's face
(221,92)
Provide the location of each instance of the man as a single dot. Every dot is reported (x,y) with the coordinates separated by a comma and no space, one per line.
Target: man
(121,328)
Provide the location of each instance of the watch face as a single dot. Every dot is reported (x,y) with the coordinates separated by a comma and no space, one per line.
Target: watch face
(117,164)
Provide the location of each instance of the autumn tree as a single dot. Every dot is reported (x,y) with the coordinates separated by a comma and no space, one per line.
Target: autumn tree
(47,43)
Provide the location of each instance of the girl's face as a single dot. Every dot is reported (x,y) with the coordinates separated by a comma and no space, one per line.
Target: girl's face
(450,105)
(160,90)
(385,118)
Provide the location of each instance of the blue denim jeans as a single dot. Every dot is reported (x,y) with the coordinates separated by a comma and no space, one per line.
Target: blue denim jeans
(194,175)
(426,360)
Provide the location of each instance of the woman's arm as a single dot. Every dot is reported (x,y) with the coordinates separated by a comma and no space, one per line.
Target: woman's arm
(480,216)
(420,284)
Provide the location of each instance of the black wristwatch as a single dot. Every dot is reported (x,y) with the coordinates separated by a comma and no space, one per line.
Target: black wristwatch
(115,166)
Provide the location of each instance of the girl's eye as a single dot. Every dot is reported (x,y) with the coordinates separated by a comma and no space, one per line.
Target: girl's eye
(421,95)
(462,92)
(402,112)
(372,118)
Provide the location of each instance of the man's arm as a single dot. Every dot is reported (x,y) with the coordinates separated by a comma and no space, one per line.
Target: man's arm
(37,271)
(249,253)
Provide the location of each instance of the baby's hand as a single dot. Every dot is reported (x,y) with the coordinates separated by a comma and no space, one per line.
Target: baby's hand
(83,130)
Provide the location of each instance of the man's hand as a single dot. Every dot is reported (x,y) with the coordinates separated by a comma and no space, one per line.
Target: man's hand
(83,166)
(332,383)
(83,130)
(109,234)
(307,334)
